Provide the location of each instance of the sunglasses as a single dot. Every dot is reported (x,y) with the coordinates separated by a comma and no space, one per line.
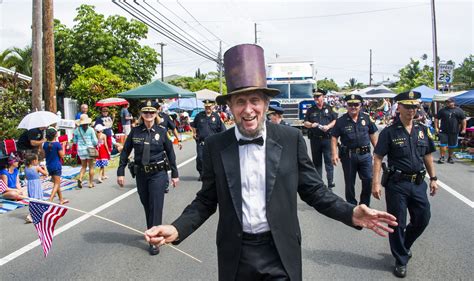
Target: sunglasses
(410,106)
(148,112)
(353,104)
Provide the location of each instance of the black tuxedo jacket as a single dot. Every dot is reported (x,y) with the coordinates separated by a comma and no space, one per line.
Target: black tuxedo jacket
(289,172)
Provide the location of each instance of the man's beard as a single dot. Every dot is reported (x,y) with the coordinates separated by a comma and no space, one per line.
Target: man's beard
(251,134)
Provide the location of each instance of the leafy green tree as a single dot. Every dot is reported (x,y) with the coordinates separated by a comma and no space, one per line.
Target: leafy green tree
(413,75)
(200,81)
(327,84)
(464,74)
(112,42)
(96,83)
(353,84)
(18,58)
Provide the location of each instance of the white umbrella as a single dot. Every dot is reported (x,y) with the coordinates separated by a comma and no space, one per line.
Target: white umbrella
(38,119)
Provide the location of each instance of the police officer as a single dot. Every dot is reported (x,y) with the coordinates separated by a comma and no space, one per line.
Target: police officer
(320,119)
(408,147)
(275,115)
(357,131)
(154,155)
(206,123)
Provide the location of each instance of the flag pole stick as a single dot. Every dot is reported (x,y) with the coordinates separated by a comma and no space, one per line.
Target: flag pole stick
(106,219)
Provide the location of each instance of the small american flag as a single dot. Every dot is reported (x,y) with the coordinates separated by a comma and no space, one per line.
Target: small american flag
(45,218)
(3,186)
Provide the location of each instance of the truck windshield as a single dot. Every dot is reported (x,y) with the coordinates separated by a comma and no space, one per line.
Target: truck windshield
(283,90)
(301,91)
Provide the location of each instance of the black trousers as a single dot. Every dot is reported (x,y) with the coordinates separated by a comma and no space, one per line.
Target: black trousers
(151,190)
(353,163)
(399,197)
(322,147)
(259,260)
(199,155)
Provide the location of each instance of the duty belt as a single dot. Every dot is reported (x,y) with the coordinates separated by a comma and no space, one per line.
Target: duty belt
(153,167)
(360,150)
(416,178)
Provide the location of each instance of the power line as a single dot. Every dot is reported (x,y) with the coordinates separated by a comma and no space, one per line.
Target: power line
(164,31)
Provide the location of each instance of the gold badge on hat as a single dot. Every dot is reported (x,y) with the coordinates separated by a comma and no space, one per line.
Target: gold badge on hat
(352,97)
(148,103)
(421,135)
(411,95)
(157,137)
(363,122)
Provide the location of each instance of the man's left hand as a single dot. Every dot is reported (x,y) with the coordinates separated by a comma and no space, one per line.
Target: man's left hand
(375,220)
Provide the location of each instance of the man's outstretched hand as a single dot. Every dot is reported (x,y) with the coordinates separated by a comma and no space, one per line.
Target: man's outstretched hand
(375,220)
(160,235)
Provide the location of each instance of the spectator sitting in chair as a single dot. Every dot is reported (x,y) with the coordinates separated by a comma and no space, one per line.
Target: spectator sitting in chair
(10,176)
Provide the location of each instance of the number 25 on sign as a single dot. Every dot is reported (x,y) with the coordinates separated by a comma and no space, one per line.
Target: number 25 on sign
(445,73)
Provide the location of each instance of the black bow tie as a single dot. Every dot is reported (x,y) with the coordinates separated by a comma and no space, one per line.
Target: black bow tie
(258,141)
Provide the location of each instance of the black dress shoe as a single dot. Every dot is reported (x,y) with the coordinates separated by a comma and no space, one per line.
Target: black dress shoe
(400,270)
(154,250)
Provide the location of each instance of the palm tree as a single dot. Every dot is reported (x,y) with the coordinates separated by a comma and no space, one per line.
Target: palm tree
(21,59)
(4,57)
(352,83)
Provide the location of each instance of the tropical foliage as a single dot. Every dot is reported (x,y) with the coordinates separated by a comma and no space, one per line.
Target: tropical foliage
(327,84)
(201,81)
(414,75)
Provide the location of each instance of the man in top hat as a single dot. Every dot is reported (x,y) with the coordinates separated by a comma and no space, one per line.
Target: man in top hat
(320,119)
(206,123)
(275,115)
(357,131)
(452,121)
(408,146)
(253,173)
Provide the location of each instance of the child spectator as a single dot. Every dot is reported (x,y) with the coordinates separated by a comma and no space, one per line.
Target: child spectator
(32,174)
(54,153)
(11,178)
(104,156)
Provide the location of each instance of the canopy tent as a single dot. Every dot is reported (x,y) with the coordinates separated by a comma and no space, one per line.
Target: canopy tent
(206,94)
(157,89)
(465,99)
(186,104)
(378,96)
(442,97)
(379,90)
(426,93)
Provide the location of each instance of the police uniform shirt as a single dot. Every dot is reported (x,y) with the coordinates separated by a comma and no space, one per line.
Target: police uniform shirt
(159,144)
(450,119)
(405,151)
(166,121)
(207,125)
(322,116)
(27,136)
(354,134)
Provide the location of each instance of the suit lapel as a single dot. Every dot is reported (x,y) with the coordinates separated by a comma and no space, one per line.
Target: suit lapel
(231,163)
(272,160)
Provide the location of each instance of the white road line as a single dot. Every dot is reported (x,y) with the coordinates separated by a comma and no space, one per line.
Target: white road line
(455,193)
(82,218)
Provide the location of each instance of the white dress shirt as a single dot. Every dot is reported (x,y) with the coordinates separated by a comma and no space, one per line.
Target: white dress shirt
(252,177)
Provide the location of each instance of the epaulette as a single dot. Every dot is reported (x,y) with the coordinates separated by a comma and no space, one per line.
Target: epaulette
(161,126)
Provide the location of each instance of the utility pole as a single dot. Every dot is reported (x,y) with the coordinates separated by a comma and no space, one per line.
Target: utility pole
(370,69)
(220,67)
(435,52)
(255,29)
(162,62)
(37,56)
(49,82)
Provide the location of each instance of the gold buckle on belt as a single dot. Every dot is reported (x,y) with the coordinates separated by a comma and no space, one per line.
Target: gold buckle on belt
(413,177)
(146,168)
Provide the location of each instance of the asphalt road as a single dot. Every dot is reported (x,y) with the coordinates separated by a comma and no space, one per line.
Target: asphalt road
(88,248)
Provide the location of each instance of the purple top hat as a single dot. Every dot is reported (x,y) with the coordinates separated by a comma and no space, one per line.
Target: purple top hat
(244,67)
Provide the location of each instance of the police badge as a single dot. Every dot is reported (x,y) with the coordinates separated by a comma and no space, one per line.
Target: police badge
(421,135)
(363,122)
(157,137)
(326,111)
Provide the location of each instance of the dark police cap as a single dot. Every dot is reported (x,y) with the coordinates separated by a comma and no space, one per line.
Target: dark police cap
(353,98)
(149,106)
(319,92)
(208,103)
(410,98)
(275,109)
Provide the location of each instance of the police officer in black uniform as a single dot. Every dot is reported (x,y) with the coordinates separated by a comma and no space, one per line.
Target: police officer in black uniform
(206,123)
(357,131)
(320,119)
(154,155)
(275,115)
(408,147)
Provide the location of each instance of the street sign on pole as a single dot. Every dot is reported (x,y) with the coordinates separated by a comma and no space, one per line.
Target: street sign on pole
(445,73)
